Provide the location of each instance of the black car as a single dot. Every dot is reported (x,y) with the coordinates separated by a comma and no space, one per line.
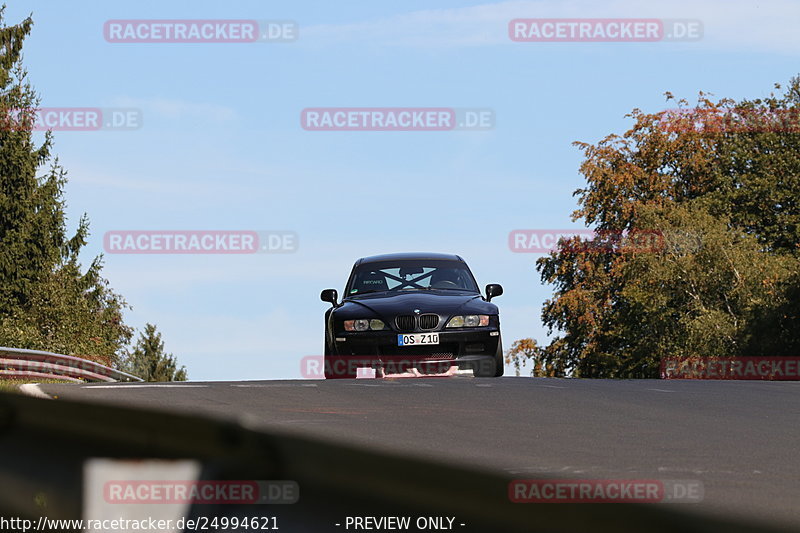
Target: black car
(412,310)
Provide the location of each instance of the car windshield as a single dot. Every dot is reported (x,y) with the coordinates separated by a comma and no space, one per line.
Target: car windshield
(411,275)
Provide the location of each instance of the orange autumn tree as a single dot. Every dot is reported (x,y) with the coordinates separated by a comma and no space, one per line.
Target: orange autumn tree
(527,350)
(720,184)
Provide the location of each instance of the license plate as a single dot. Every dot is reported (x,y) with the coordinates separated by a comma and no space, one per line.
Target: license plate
(417,339)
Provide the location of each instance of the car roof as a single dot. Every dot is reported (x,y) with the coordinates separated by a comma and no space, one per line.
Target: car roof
(409,256)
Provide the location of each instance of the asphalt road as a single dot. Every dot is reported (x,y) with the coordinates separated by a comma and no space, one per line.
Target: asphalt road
(740,439)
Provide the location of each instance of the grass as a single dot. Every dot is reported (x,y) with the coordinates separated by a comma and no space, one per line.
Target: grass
(12,385)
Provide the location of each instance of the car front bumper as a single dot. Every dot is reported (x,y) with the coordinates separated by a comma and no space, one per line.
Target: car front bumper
(462,347)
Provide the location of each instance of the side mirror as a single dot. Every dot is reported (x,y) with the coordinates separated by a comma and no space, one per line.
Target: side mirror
(492,290)
(330,295)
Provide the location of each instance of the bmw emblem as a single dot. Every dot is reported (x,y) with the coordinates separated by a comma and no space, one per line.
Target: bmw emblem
(416,311)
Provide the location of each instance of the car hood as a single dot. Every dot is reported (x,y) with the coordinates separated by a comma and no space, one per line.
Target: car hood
(387,305)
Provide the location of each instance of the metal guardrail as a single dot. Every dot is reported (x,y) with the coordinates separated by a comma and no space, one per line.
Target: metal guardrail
(35,364)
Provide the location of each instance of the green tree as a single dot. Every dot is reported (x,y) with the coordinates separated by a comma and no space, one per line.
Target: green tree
(720,183)
(47,301)
(149,361)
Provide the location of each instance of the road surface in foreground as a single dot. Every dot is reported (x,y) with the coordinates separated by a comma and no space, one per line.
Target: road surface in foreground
(740,439)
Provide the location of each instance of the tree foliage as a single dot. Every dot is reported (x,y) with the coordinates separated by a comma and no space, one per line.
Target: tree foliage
(524,351)
(148,360)
(47,300)
(720,183)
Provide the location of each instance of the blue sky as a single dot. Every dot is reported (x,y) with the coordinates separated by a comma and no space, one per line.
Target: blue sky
(221,146)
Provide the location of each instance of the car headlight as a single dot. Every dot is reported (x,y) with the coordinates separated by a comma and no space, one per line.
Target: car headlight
(363,324)
(468,321)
